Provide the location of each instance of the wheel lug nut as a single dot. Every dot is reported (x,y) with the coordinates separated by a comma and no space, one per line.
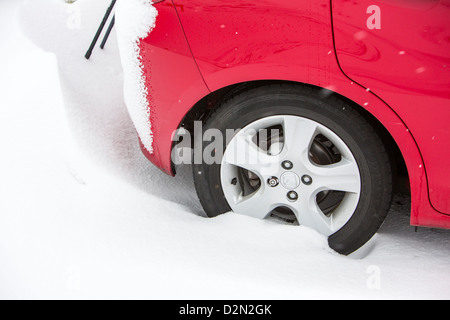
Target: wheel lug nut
(273,182)
(307,180)
(287,165)
(292,196)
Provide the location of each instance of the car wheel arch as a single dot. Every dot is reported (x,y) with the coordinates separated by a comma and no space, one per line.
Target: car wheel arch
(378,113)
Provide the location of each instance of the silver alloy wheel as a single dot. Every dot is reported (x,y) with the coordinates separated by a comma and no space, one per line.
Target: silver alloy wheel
(299,179)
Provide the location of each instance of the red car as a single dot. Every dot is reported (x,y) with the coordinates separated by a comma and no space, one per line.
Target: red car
(358,93)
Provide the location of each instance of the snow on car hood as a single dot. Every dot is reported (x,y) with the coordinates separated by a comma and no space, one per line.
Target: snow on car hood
(135,19)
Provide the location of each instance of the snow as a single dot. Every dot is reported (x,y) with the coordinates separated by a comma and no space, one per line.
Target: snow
(83,214)
(135,20)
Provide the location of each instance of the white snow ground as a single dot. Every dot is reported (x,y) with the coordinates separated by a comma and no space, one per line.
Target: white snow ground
(83,215)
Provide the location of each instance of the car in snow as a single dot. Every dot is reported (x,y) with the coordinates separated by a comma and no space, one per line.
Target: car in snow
(357,92)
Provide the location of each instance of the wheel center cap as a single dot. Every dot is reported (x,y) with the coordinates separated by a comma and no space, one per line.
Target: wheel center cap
(290,180)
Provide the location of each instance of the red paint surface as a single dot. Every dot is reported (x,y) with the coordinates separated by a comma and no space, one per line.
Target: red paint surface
(221,43)
(173,81)
(407,64)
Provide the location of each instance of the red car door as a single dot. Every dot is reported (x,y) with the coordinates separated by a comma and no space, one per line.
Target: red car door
(400,50)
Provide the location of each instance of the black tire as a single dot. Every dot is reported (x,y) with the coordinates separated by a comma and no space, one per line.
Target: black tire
(332,112)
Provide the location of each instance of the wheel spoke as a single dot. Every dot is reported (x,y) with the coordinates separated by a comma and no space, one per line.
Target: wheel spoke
(299,134)
(342,176)
(244,153)
(309,214)
(256,205)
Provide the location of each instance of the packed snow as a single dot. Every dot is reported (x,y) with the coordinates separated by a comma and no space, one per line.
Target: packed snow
(84,215)
(135,20)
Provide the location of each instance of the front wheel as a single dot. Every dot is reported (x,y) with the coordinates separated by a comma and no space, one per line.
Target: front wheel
(290,153)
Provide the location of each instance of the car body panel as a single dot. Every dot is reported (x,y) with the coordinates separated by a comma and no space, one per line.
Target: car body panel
(172,80)
(406,62)
(294,42)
